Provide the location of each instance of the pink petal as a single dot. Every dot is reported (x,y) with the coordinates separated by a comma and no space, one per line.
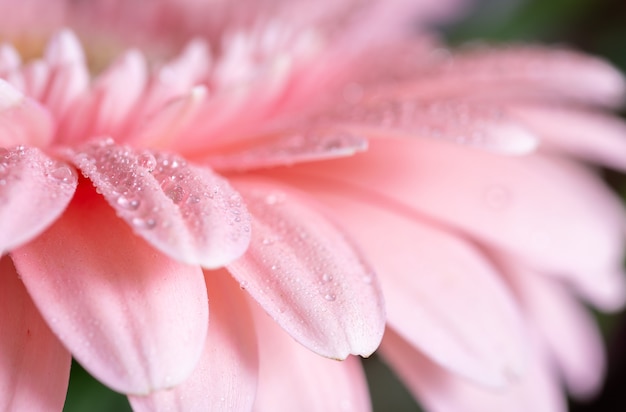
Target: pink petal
(523,72)
(226,376)
(34,191)
(178,76)
(164,128)
(108,107)
(569,331)
(185,211)
(134,318)
(292,378)
(462,123)
(521,206)
(440,391)
(305,273)
(582,133)
(67,77)
(435,282)
(289,148)
(34,366)
(22,120)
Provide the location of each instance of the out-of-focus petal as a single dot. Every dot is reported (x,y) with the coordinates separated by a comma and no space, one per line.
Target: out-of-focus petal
(307,275)
(459,122)
(185,211)
(108,106)
(522,72)
(290,148)
(34,191)
(67,75)
(552,214)
(585,134)
(292,378)
(34,366)
(226,376)
(441,391)
(134,318)
(22,120)
(442,295)
(572,337)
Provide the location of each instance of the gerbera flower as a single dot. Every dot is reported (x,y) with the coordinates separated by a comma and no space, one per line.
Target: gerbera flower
(301,161)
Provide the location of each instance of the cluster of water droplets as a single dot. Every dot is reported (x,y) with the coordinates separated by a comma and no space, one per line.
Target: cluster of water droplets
(195,210)
(12,159)
(457,121)
(316,143)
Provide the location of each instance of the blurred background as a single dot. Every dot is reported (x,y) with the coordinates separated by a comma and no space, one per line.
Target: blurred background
(595,26)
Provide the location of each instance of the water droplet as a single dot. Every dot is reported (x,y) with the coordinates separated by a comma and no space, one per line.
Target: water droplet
(144,223)
(330,297)
(267,241)
(147,160)
(63,173)
(326,278)
(174,192)
(128,203)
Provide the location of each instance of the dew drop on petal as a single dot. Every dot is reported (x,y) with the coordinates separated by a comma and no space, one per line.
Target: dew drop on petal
(147,160)
(63,173)
(143,223)
(128,203)
(330,297)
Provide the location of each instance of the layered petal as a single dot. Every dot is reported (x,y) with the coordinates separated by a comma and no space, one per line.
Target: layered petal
(392,114)
(289,148)
(549,212)
(570,334)
(107,107)
(34,366)
(307,275)
(292,377)
(134,318)
(34,191)
(521,72)
(586,134)
(440,391)
(226,376)
(185,211)
(434,282)
(22,120)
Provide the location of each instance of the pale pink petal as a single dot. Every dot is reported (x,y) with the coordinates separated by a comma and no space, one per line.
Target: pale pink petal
(550,213)
(461,123)
(440,391)
(178,77)
(107,108)
(307,275)
(522,72)
(292,378)
(10,59)
(572,337)
(164,128)
(34,366)
(289,148)
(585,134)
(434,282)
(67,74)
(34,191)
(134,318)
(22,120)
(185,211)
(226,376)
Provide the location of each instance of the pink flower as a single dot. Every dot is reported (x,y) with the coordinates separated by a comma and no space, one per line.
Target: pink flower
(303,160)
